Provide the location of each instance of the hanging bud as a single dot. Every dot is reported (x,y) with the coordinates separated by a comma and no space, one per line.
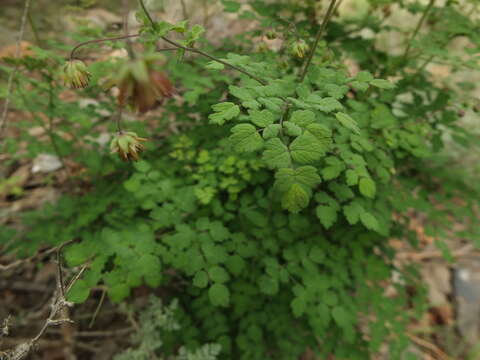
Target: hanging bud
(75,74)
(300,48)
(127,145)
(141,85)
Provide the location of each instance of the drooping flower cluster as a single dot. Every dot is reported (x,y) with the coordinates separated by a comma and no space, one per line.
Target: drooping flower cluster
(140,84)
(127,145)
(75,74)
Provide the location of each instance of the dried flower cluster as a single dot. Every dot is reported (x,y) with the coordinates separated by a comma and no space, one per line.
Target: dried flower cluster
(141,85)
(127,145)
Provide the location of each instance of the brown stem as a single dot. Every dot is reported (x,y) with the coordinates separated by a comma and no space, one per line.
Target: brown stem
(72,53)
(326,19)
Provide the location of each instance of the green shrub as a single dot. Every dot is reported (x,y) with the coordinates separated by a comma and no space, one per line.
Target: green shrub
(268,213)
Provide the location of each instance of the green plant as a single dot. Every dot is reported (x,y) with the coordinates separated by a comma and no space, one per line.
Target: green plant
(269,216)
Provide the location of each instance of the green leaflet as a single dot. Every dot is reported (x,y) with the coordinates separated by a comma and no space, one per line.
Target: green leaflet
(271,131)
(223,112)
(218,274)
(296,186)
(245,138)
(219,295)
(327,104)
(276,154)
(382,84)
(327,215)
(200,279)
(307,149)
(302,118)
(348,122)
(262,118)
(292,129)
(367,187)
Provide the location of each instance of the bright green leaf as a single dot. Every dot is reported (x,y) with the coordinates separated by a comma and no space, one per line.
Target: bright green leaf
(276,154)
(348,122)
(223,112)
(367,187)
(219,295)
(245,138)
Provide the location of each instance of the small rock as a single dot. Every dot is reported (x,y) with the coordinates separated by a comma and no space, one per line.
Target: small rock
(46,163)
(467,295)
(437,278)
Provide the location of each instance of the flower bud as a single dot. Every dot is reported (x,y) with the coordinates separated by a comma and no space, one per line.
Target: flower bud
(299,48)
(271,35)
(127,145)
(75,74)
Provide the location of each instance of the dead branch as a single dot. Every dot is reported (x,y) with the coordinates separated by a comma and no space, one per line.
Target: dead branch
(439,354)
(38,256)
(59,305)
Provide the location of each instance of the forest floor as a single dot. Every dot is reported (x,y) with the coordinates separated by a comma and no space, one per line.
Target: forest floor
(449,329)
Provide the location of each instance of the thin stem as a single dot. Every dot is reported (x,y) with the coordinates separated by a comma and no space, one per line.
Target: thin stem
(3,118)
(129,47)
(72,53)
(51,133)
(34,29)
(320,32)
(97,310)
(184,9)
(418,27)
(118,119)
(60,282)
(200,52)
(147,14)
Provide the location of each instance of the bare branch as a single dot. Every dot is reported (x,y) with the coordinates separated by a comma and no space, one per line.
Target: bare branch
(58,305)
(37,256)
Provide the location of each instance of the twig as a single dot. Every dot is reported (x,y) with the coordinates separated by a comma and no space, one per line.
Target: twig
(325,22)
(72,53)
(197,51)
(58,305)
(75,278)
(463,251)
(3,118)
(59,273)
(97,310)
(35,256)
(439,354)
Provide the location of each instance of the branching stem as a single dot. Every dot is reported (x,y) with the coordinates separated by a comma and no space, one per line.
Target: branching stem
(197,51)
